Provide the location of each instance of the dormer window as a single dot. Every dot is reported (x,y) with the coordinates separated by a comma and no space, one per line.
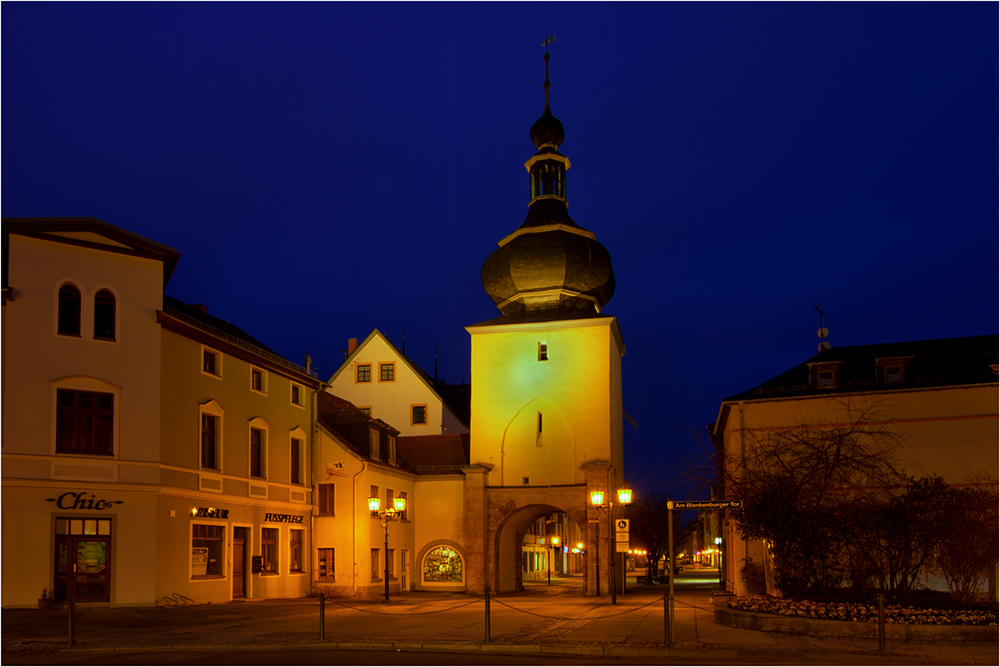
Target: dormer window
(825,375)
(893,370)
(825,379)
(893,374)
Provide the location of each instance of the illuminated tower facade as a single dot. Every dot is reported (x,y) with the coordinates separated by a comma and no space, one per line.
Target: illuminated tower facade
(546,426)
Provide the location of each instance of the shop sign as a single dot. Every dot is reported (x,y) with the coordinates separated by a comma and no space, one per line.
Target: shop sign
(210,512)
(79,501)
(282,518)
(335,469)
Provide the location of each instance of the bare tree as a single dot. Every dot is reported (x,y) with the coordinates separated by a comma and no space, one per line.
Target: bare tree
(649,527)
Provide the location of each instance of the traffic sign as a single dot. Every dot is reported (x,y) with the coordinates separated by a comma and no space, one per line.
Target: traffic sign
(705,504)
(621,525)
(621,547)
(621,537)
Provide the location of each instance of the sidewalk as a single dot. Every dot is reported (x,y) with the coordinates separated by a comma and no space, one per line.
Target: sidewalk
(540,621)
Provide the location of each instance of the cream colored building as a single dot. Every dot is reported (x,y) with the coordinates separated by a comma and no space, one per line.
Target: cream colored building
(939,396)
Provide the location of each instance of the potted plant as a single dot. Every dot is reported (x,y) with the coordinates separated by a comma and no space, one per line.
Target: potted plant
(45,602)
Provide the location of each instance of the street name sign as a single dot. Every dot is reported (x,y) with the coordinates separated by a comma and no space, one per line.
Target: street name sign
(706,504)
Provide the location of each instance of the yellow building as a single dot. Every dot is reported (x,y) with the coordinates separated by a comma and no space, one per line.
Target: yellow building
(939,397)
(150,450)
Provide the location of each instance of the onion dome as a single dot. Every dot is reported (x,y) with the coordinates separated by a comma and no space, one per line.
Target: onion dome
(550,265)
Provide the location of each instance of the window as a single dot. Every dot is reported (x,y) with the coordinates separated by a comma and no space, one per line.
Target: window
(327,562)
(211,362)
(68,323)
(208,547)
(209,442)
(295,463)
(442,565)
(543,352)
(402,494)
(258,380)
(326,500)
(364,373)
(373,443)
(295,550)
(298,395)
(365,411)
(258,445)
(376,573)
(104,315)
(269,550)
(893,374)
(84,422)
(825,379)
(392,450)
(388,500)
(387,372)
(390,562)
(419,414)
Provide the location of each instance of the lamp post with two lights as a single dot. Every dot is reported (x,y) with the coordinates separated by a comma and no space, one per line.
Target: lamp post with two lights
(387,515)
(597,501)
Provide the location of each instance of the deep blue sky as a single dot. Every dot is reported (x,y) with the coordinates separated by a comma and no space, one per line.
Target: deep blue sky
(327,169)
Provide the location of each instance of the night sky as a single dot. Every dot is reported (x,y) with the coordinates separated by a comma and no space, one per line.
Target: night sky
(328,169)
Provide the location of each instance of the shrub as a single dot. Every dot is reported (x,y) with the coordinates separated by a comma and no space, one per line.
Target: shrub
(752,575)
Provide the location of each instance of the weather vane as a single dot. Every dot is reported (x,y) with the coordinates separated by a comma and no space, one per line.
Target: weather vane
(548,40)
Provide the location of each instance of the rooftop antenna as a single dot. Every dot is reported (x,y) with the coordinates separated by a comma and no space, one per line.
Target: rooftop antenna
(823,331)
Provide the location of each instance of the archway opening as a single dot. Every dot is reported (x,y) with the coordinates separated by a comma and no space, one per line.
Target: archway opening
(540,545)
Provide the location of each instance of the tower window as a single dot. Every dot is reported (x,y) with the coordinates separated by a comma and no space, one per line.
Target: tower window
(104,315)
(543,352)
(69,311)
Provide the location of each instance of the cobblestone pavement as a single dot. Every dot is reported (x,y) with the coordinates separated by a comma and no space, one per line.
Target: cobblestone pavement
(541,620)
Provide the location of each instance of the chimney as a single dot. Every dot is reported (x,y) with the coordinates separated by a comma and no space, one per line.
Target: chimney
(352,344)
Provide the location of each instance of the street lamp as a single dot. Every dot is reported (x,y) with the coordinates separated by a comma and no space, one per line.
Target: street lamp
(597,500)
(552,544)
(387,515)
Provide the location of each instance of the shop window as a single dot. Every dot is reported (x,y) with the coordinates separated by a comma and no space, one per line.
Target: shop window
(327,564)
(84,422)
(104,315)
(68,323)
(442,565)
(295,538)
(269,550)
(208,547)
(327,502)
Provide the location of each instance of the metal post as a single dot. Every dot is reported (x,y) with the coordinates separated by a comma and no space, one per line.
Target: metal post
(880,600)
(72,608)
(611,545)
(670,563)
(385,522)
(667,626)
(487,615)
(549,562)
(322,616)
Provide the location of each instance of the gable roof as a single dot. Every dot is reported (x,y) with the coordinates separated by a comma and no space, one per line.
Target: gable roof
(932,363)
(335,413)
(421,375)
(89,233)
(435,454)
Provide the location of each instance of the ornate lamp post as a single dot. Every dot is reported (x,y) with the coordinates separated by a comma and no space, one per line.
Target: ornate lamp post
(387,515)
(553,542)
(597,500)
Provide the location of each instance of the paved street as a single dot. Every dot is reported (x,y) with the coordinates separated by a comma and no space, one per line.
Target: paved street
(538,625)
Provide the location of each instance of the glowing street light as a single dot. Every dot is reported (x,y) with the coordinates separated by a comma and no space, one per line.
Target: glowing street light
(387,515)
(597,500)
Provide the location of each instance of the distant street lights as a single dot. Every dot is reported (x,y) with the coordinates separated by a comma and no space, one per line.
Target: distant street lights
(387,515)
(597,500)
(553,542)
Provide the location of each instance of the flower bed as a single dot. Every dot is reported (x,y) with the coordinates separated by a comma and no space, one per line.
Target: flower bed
(864,612)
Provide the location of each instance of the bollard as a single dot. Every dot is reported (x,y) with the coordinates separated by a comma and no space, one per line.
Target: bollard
(71,610)
(880,600)
(487,615)
(322,616)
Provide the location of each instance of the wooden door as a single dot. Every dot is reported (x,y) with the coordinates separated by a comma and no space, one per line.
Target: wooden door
(239,562)
(83,568)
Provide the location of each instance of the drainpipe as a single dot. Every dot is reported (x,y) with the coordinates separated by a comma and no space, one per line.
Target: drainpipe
(354,531)
(314,454)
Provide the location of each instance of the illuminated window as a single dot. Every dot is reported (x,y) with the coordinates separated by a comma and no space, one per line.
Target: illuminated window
(442,565)
(387,372)
(419,414)
(326,563)
(269,549)
(295,539)
(364,373)
(208,547)
(104,315)
(365,411)
(543,352)
(84,422)
(68,323)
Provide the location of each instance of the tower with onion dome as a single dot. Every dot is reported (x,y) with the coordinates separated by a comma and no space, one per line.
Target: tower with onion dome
(546,424)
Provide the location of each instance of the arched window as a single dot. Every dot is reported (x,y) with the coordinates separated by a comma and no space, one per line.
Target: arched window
(442,565)
(69,311)
(104,315)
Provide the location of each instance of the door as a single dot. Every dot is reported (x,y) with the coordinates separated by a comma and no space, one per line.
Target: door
(83,569)
(239,562)
(404,570)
